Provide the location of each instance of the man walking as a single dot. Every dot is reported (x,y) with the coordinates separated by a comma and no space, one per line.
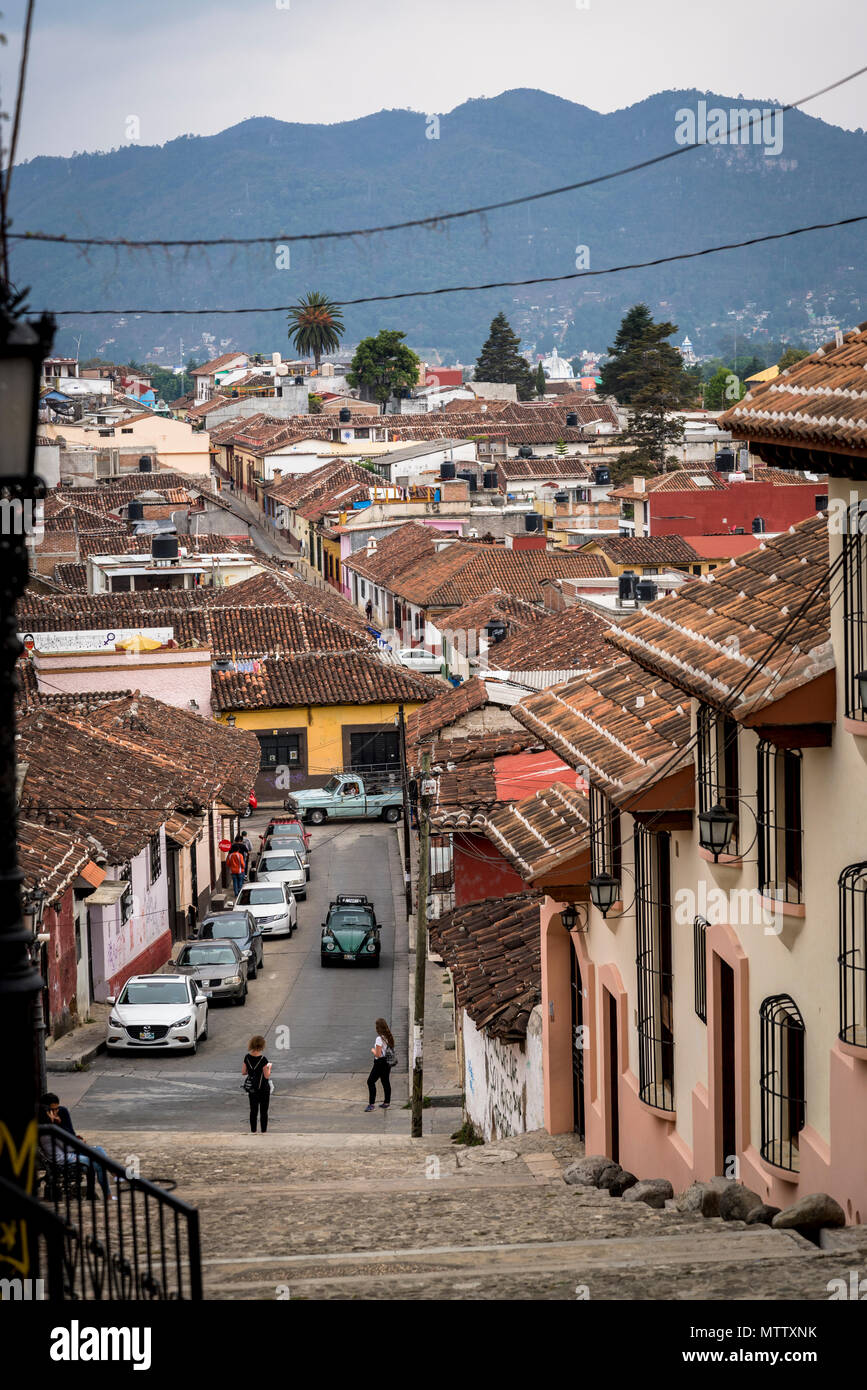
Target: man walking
(237,866)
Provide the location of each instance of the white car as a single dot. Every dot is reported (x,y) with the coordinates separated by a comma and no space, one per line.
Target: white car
(281,866)
(272,905)
(420,659)
(168,1011)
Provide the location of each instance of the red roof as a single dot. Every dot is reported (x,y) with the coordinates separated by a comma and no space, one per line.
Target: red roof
(518,775)
(722,547)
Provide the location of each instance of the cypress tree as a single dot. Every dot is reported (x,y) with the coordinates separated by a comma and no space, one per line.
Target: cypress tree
(500,360)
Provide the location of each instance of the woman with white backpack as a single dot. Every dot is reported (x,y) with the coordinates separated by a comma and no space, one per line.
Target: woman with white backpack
(384,1058)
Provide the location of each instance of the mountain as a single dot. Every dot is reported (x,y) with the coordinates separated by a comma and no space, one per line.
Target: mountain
(266,176)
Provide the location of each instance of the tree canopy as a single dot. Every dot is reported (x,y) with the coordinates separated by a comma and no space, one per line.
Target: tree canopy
(315,325)
(384,366)
(500,360)
(641,360)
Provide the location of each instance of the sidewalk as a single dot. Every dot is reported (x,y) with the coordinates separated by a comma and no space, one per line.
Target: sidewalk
(74,1050)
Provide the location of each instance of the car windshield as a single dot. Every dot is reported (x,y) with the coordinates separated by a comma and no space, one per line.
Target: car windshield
(332,784)
(274,862)
(256,896)
(295,845)
(154,992)
(207,955)
(352,918)
(225,926)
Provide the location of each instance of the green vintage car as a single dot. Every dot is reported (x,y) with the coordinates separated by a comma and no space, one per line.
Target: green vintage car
(350,932)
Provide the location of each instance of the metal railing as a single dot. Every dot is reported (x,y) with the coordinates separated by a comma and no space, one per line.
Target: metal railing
(100,1232)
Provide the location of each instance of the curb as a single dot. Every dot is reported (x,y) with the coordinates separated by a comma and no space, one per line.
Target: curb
(74,1063)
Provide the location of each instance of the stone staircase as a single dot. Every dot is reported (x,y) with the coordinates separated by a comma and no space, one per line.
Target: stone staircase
(385,1216)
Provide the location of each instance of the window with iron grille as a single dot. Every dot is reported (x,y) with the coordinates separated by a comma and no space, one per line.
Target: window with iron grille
(780,825)
(127,898)
(442,867)
(854,607)
(699,952)
(852,959)
(654,962)
(604,834)
(155,857)
(784,1107)
(717,765)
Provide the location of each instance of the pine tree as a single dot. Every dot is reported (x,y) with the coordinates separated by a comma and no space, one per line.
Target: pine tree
(541,381)
(641,357)
(500,360)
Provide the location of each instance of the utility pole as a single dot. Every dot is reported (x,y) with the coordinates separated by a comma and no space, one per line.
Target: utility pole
(420,946)
(400,721)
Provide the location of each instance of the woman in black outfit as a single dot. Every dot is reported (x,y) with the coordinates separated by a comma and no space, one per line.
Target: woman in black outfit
(257,1068)
(381,1069)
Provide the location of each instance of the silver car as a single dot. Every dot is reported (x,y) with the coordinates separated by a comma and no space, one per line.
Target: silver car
(293,843)
(216,966)
(285,867)
(272,905)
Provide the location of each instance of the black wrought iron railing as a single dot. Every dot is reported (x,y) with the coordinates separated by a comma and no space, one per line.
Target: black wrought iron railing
(100,1232)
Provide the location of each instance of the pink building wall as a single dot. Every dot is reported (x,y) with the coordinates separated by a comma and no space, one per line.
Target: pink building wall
(174,676)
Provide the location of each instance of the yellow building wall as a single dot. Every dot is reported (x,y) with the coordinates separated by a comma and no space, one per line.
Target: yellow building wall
(324,725)
(331,548)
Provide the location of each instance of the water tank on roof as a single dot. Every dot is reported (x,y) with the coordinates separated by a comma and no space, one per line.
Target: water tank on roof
(646,591)
(758,525)
(164,548)
(561,496)
(345,415)
(447,470)
(490,478)
(134,511)
(496,630)
(532,522)
(572,418)
(145,464)
(739,531)
(724,461)
(525,452)
(601,475)
(299,381)
(626,587)
(470,479)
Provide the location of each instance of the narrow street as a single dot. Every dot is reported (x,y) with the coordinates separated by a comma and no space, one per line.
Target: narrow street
(320,1061)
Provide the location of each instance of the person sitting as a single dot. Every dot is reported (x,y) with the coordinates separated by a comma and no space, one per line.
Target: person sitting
(59,1155)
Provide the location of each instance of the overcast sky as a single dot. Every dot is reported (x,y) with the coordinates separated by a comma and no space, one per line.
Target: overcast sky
(199,66)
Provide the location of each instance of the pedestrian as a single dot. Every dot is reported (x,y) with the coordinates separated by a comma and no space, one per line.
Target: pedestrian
(248,850)
(58,1153)
(368,611)
(256,1071)
(383,1061)
(236,863)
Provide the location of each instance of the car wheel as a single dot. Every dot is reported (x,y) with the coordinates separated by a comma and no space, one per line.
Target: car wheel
(195,1047)
(251,973)
(391,814)
(316,816)
(239,999)
(204,1034)
(247,811)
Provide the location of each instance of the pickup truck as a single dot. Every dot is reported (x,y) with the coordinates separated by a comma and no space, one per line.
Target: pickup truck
(346,794)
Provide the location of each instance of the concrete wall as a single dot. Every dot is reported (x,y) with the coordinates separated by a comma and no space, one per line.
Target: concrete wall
(140,945)
(503,1081)
(175,677)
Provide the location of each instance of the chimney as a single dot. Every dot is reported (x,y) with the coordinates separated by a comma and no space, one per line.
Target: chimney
(638,484)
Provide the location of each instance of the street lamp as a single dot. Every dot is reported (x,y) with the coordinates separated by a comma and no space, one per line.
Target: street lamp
(604,892)
(715,829)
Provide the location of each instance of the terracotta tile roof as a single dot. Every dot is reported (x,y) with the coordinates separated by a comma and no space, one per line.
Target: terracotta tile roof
(618,726)
(482,747)
(717,631)
(461,572)
(493,951)
(820,402)
(444,710)
(645,550)
(398,551)
(465,795)
(341,678)
(305,489)
(518,615)
(571,640)
(291,629)
(51,858)
(203,408)
(216,363)
(528,832)
(81,702)
(72,577)
(569,466)
(707,480)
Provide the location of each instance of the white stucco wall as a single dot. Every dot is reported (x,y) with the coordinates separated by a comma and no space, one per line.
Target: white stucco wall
(503,1081)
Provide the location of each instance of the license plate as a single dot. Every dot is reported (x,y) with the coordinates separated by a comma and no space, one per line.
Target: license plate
(145,1034)
(347,956)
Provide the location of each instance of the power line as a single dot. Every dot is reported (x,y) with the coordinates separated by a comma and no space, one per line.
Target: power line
(491,285)
(436,219)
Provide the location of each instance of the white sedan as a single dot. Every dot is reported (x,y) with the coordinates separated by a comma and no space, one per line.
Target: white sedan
(420,659)
(168,1011)
(272,905)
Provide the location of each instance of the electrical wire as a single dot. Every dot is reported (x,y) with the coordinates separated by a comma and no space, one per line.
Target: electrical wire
(435,220)
(489,285)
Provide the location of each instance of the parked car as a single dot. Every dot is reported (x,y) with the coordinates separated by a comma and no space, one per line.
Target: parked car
(218,967)
(281,867)
(167,1011)
(351,794)
(420,659)
(238,926)
(350,932)
(287,825)
(291,844)
(272,905)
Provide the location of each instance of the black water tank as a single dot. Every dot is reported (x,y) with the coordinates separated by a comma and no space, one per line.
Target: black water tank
(145,464)
(572,418)
(601,475)
(470,479)
(758,525)
(739,531)
(646,591)
(299,381)
(345,415)
(135,511)
(532,522)
(626,586)
(490,478)
(525,452)
(561,497)
(164,548)
(447,470)
(496,630)
(724,461)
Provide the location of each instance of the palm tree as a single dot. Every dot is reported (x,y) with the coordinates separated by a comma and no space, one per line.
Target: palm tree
(315,325)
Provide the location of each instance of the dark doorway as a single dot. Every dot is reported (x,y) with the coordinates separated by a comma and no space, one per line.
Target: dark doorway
(613,1077)
(578,1045)
(177,918)
(377,751)
(728,1085)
